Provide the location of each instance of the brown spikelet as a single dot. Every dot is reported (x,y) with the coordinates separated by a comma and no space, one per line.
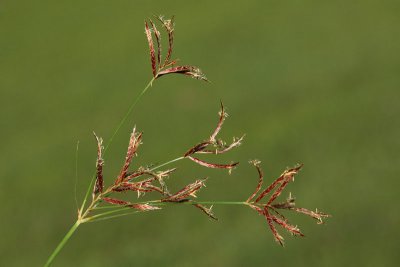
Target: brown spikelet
(137,187)
(141,207)
(256,164)
(223,149)
(213,165)
(285,224)
(277,236)
(281,179)
(115,201)
(158,40)
(314,214)
(168,25)
(197,148)
(134,142)
(98,186)
(151,48)
(144,207)
(171,63)
(207,211)
(222,116)
(188,191)
(191,71)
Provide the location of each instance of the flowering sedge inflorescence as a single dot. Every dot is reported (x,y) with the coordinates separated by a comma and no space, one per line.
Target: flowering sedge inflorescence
(145,180)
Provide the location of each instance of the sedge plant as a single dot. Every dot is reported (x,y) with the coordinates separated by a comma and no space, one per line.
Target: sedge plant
(103,202)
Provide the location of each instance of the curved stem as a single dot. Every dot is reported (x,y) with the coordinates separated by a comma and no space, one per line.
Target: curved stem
(127,114)
(62,243)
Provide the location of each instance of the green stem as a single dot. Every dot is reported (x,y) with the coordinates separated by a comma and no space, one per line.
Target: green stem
(127,114)
(81,218)
(218,202)
(166,163)
(90,187)
(62,243)
(115,216)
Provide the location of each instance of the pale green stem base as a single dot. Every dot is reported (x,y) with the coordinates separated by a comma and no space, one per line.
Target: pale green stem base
(62,243)
(79,221)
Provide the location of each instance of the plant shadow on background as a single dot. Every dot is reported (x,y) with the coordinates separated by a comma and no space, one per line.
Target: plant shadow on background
(308,82)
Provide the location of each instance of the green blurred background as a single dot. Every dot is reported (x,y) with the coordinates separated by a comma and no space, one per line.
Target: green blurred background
(307,81)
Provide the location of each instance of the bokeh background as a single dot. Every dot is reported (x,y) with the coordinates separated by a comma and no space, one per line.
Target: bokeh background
(308,81)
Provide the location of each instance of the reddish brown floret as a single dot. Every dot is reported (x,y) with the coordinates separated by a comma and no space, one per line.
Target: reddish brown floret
(151,48)
(188,191)
(280,179)
(158,40)
(256,164)
(213,165)
(115,201)
(197,148)
(134,143)
(144,207)
(222,116)
(168,24)
(206,210)
(98,186)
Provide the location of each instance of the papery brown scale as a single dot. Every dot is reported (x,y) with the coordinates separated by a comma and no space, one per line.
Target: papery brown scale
(277,213)
(222,116)
(277,236)
(169,26)
(316,215)
(280,179)
(177,69)
(155,188)
(132,148)
(206,210)
(288,204)
(98,187)
(151,48)
(269,188)
(197,148)
(258,209)
(115,201)
(287,177)
(278,191)
(187,191)
(213,165)
(291,228)
(137,187)
(144,207)
(167,172)
(260,180)
(158,40)
(171,63)
(154,176)
(224,150)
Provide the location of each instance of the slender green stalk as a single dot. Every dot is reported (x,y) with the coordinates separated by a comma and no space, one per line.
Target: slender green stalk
(62,243)
(127,114)
(89,189)
(81,217)
(115,216)
(166,163)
